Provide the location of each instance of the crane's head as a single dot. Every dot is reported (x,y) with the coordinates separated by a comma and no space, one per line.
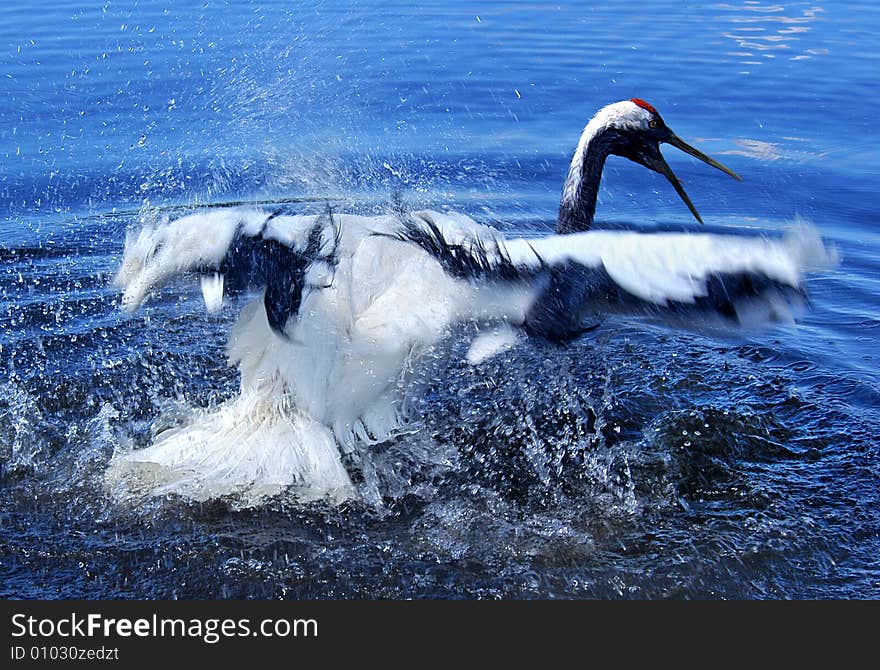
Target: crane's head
(638,132)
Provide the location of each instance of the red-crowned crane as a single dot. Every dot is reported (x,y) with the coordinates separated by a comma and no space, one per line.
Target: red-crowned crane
(347,302)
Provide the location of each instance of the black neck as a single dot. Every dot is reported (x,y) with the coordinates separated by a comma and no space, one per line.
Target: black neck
(578,204)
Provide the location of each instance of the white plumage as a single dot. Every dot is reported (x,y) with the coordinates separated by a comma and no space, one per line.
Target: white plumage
(348,303)
(332,381)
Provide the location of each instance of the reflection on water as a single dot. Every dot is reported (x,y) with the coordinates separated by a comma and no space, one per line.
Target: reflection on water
(794,149)
(769,28)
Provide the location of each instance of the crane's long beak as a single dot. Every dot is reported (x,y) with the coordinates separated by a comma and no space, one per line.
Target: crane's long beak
(679,143)
(654,160)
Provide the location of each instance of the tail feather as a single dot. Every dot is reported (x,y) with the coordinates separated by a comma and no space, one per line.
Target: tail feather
(473,259)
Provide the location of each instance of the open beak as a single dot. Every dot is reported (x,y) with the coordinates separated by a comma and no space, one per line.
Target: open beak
(655,161)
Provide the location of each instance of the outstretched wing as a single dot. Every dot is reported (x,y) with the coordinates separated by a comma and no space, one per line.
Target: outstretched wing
(561,284)
(232,250)
(673,276)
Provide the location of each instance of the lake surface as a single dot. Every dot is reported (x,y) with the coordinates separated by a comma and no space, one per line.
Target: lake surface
(636,462)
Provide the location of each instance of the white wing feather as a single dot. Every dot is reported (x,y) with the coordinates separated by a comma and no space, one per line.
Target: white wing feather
(336,369)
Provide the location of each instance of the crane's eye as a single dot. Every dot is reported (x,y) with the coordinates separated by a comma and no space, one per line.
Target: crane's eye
(653,123)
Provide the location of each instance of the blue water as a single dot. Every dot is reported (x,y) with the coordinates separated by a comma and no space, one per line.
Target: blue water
(636,462)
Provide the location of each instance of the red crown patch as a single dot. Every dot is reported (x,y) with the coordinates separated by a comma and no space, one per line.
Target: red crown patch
(644,105)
